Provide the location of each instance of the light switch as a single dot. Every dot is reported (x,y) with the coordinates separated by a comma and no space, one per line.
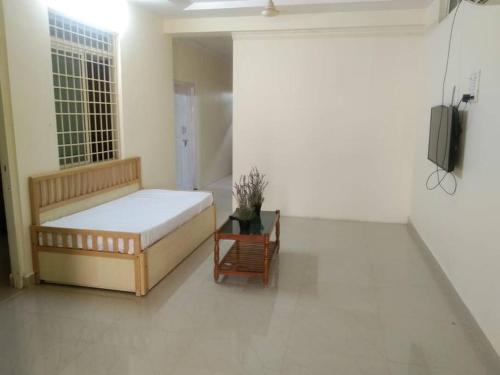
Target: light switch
(474,81)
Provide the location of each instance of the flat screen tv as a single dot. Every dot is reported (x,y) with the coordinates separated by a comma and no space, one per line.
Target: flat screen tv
(444,137)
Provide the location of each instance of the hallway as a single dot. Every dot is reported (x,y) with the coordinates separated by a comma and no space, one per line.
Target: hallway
(222,191)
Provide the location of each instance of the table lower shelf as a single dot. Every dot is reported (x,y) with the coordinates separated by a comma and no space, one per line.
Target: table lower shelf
(246,258)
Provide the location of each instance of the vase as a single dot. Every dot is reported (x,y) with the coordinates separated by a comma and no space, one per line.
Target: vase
(244,225)
(256,209)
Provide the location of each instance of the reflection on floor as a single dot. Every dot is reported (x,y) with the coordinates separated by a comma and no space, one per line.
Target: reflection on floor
(345,299)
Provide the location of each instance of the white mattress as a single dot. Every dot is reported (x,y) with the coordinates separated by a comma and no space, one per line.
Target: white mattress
(153,213)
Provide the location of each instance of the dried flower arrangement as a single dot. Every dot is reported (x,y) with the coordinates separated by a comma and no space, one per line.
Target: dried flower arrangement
(241,193)
(249,194)
(257,185)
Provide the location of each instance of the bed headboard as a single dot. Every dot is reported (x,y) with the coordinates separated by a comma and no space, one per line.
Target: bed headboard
(67,191)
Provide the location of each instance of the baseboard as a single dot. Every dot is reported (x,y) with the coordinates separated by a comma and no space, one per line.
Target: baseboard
(16,280)
(456,296)
(29,280)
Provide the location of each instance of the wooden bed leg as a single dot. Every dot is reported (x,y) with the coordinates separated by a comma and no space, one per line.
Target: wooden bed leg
(143,263)
(34,256)
(138,276)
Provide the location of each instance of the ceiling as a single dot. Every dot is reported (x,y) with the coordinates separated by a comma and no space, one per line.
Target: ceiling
(227,8)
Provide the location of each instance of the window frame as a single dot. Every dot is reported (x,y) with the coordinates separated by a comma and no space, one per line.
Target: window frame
(90,131)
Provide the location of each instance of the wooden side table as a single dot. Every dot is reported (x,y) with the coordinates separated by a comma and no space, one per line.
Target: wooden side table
(253,251)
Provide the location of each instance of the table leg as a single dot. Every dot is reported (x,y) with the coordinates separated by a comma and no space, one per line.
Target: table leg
(266,261)
(216,259)
(278,233)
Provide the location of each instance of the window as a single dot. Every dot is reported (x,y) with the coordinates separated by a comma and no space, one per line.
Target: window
(84,76)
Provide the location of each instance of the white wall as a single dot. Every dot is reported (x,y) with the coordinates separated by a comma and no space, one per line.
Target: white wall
(147,113)
(462,231)
(32,99)
(147,97)
(330,120)
(8,162)
(212,76)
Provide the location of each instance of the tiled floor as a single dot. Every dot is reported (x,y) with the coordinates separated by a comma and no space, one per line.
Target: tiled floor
(345,299)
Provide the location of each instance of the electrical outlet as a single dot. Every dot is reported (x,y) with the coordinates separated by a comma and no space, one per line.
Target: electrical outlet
(474,81)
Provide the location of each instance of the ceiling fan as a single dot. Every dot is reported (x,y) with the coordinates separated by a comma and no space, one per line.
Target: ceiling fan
(270,10)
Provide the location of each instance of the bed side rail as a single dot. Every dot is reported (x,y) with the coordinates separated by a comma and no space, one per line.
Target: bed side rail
(95,241)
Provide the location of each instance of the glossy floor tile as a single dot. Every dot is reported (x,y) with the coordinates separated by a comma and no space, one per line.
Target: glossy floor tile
(345,298)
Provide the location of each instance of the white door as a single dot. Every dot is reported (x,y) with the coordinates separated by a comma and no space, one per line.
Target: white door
(185,135)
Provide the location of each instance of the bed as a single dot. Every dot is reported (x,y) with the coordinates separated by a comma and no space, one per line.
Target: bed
(95,226)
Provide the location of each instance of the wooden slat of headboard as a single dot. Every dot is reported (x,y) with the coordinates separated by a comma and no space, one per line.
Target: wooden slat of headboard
(50,190)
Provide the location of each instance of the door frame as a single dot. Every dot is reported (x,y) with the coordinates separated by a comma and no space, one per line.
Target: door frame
(12,199)
(192,88)
(20,267)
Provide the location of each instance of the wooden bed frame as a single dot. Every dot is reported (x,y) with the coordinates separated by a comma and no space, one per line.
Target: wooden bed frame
(54,195)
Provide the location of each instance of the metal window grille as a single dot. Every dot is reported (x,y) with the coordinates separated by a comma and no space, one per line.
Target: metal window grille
(84,77)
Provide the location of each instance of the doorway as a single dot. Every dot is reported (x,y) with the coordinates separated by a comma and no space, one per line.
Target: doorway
(203,71)
(185,136)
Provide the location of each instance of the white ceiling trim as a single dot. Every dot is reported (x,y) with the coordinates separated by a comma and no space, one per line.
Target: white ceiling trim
(348,31)
(414,18)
